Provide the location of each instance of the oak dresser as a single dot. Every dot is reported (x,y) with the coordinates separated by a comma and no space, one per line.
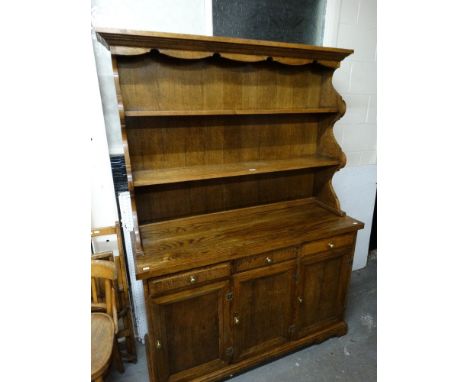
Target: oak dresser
(239,238)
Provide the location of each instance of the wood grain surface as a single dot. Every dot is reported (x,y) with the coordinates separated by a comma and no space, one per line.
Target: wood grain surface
(102,341)
(195,241)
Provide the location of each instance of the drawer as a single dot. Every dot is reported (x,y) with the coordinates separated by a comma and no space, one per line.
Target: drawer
(186,279)
(265,259)
(328,244)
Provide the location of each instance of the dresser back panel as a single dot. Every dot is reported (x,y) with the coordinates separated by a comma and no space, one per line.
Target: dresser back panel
(157,203)
(167,142)
(155,82)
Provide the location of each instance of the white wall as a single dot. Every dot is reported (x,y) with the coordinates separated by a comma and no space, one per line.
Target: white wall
(103,203)
(353,24)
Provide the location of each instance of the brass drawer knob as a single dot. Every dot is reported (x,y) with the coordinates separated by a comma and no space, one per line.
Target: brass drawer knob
(331,245)
(236,320)
(158,344)
(192,279)
(268,260)
(300,300)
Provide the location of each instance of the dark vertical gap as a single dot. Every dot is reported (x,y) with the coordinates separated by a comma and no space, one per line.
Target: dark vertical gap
(119,173)
(373,235)
(119,176)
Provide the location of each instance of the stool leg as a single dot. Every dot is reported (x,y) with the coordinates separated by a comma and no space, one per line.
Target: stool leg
(130,340)
(117,358)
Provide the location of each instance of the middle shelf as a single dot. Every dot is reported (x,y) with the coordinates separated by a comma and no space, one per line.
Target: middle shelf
(258,111)
(202,172)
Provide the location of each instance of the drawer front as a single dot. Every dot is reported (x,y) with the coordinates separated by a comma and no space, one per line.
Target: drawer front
(328,244)
(192,278)
(265,259)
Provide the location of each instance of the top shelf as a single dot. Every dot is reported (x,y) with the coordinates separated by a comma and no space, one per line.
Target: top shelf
(167,113)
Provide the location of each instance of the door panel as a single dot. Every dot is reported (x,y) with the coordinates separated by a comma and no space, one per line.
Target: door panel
(262,311)
(192,331)
(321,290)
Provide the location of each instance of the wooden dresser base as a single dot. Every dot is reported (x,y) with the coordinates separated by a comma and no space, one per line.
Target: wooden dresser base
(336,330)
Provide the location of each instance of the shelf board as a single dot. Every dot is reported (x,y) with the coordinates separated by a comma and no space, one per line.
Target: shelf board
(180,244)
(204,172)
(175,113)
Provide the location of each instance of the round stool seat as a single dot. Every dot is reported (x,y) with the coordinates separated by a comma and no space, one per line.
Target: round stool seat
(102,341)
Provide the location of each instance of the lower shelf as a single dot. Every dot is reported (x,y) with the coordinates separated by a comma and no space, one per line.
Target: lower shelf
(204,172)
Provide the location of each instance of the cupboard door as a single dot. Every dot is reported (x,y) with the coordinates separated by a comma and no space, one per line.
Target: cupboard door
(191,332)
(262,308)
(321,290)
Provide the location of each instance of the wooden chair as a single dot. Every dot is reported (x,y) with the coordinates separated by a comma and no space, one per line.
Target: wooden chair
(103,325)
(124,308)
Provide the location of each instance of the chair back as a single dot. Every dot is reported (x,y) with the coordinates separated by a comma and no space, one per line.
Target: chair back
(104,273)
(119,260)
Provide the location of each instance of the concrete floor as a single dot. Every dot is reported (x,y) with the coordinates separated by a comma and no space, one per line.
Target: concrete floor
(351,358)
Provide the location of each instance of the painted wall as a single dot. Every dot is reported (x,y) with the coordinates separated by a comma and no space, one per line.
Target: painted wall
(103,203)
(353,24)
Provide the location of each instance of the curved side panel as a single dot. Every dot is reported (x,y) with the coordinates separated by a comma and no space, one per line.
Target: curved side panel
(128,167)
(328,146)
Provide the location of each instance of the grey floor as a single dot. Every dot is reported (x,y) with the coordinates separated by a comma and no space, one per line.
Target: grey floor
(351,358)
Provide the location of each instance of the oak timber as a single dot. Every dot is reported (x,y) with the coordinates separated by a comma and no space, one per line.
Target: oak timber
(190,173)
(161,113)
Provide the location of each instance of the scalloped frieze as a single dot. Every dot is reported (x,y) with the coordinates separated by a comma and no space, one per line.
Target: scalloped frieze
(185,54)
(198,55)
(243,57)
(128,51)
(292,60)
